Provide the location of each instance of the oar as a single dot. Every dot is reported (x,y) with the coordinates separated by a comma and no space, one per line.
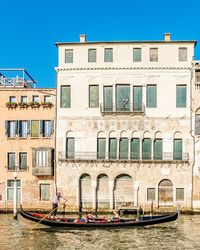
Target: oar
(47,215)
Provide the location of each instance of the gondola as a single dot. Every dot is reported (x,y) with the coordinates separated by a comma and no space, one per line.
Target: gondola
(98,222)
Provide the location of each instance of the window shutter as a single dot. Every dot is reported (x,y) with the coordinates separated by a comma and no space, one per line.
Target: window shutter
(158,149)
(93,96)
(6,127)
(108,98)
(137,98)
(135,148)
(101,148)
(146,149)
(112,148)
(177,149)
(197,124)
(123,98)
(28,127)
(42,127)
(52,127)
(123,148)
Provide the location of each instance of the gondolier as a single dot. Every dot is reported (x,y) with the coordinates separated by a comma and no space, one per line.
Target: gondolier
(55,202)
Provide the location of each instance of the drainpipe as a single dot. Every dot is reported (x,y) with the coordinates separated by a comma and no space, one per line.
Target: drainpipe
(191,130)
(55,140)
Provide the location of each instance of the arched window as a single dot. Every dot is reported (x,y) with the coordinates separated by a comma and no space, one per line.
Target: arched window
(158,146)
(101,145)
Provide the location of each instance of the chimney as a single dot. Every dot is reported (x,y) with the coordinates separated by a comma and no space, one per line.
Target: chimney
(167,37)
(82,38)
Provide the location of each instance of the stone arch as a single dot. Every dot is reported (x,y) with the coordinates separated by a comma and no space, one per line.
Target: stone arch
(123,191)
(158,135)
(85,191)
(178,135)
(101,134)
(165,192)
(135,134)
(146,134)
(102,192)
(70,133)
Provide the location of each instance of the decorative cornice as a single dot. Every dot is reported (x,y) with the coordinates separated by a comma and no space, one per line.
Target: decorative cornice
(122,68)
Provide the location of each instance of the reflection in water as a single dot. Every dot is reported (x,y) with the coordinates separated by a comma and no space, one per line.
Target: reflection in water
(181,234)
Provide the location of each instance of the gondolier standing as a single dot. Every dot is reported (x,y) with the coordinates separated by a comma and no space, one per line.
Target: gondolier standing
(55,202)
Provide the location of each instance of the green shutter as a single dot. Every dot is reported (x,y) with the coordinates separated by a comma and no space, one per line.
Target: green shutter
(158,149)
(123,148)
(137,55)
(94,96)
(197,124)
(112,148)
(70,148)
(135,148)
(146,149)
(108,55)
(177,149)
(23,160)
(123,97)
(101,148)
(92,55)
(137,98)
(65,97)
(108,98)
(151,96)
(35,129)
(181,96)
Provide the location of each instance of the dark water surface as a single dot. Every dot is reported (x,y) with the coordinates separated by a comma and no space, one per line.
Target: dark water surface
(181,234)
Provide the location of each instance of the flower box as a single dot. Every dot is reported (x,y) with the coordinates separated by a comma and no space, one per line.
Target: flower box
(34,104)
(47,104)
(23,105)
(11,104)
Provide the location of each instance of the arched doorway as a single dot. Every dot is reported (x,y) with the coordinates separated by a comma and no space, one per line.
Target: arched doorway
(123,191)
(102,191)
(165,192)
(85,191)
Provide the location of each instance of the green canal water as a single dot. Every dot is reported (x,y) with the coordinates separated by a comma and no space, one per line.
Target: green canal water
(181,234)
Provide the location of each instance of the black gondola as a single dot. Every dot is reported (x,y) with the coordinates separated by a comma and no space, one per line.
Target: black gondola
(99,222)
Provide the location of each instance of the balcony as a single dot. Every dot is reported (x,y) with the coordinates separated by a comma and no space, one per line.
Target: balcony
(42,171)
(166,157)
(118,108)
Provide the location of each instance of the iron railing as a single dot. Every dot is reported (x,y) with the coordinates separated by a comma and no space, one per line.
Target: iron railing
(122,108)
(122,156)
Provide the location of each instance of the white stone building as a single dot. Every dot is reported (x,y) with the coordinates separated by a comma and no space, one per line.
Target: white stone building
(123,123)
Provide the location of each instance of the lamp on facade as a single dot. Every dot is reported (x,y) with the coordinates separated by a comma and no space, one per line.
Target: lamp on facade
(15,196)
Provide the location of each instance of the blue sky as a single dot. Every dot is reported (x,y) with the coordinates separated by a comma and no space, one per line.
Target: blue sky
(29,29)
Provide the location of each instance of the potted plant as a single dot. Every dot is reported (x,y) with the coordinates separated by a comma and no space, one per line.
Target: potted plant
(23,104)
(34,104)
(11,104)
(47,104)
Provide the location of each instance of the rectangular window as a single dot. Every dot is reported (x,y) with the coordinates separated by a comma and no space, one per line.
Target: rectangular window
(101,148)
(146,149)
(11,128)
(135,148)
(112,148)
(180,194)
(158,149)
(178,149)
(153,55)
(12,99)
(70,148)
(151,96)
(94,96)
(123,97)
(137,98)
(46,128)
(123,148)
(108,55)
(181,96)
(24,99)
(36,98)
(45,192)
(137,54)
(10,190)
(23,129)
(108,98)
(65,99)
(197,124)
(182,54)
(151,194)
(35,128)
(42,157)
(197,75)
(92,55)
(23,161)
(47,98)
(69,56)
(11,161)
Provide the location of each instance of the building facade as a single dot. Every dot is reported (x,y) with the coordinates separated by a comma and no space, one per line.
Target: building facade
(27,141)
(124,124)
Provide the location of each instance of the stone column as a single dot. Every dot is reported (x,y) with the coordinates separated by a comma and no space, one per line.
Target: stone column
(136,189)
(94,193)
(78,202)
(111,193)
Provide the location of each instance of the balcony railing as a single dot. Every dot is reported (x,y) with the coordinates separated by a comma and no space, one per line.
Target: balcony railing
(129,108)
(122,156)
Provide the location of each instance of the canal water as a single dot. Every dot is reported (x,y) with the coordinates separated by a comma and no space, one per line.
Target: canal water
(181,234)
